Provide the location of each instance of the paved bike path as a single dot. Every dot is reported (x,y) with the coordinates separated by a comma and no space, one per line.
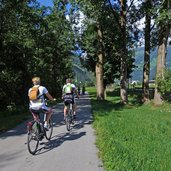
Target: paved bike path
(67,151)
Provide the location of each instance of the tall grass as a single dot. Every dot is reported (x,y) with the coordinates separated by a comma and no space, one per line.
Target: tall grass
(134,137)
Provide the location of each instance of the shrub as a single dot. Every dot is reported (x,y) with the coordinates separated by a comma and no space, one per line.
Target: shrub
(164,85)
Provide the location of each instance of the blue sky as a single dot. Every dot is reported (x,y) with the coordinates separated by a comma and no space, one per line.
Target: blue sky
(50,3)
(46,2)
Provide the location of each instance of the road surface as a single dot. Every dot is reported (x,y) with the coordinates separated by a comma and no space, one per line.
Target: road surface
(67,151)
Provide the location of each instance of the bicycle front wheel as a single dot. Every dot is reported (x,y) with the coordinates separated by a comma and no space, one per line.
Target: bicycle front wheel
(48,134)
(32,142)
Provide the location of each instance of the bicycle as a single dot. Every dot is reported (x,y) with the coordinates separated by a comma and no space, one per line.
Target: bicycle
(36,132)
(70,117)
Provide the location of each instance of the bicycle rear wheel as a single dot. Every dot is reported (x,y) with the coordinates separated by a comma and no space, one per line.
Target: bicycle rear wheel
(32,140)
(48,134)
(68,122)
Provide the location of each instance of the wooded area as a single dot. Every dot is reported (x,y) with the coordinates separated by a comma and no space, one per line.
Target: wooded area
(34,41)
(38,40)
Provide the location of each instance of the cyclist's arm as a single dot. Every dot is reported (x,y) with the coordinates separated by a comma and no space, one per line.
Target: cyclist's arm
(50,97)
(76,92)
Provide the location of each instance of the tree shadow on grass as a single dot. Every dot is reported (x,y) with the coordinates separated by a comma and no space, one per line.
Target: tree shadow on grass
(104,107)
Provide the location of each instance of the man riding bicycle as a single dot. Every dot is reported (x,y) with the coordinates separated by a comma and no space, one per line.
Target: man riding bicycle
(37,101)
(68,92)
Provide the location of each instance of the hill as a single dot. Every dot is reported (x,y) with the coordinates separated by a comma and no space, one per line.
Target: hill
(81,74)
(137,74)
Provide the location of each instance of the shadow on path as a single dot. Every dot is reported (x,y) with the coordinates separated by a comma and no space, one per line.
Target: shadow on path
(57,140)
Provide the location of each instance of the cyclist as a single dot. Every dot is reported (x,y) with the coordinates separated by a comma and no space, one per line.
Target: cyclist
(68,92)
(38,104)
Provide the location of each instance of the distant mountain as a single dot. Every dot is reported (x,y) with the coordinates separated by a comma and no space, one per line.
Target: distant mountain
(137,74)
(81,74)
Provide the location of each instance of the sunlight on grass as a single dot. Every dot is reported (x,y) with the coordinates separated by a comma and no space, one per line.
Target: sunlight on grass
(132,137)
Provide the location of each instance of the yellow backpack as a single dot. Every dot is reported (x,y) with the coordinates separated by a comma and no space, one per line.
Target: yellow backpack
(34,92)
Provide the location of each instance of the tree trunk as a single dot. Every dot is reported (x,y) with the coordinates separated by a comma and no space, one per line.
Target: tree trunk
(146,67)
(99,66)
(161,60)
(123,67)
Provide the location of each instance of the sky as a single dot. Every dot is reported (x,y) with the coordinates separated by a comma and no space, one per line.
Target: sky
(46,2)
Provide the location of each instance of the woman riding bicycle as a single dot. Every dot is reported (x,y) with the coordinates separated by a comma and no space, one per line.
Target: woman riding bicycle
(37,101)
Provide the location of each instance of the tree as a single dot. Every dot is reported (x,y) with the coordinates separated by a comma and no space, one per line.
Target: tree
(146,67)
(120,11)
(123,69)
(114,38)
(100,64)
(18,20)
(164,26)
(92,10)
(35,41)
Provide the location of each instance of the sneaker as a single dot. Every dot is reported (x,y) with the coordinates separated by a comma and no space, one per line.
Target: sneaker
(46,126)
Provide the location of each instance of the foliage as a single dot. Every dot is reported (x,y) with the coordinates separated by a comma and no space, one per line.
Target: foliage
(103,14)
(34,41)
(164,84)
(12,117)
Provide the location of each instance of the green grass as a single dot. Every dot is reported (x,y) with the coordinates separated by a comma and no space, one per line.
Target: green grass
(134,137)
(15,115)
(10,119)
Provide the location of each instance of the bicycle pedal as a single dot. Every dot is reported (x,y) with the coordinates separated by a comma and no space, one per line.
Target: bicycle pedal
(41,137)
(35,138)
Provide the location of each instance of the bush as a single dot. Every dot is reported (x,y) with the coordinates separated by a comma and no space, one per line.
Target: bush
(164,85)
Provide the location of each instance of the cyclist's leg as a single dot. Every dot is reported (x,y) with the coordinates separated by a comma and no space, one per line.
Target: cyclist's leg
(67,101)
(48,112)
(35,114)
(74,107)
(65,110)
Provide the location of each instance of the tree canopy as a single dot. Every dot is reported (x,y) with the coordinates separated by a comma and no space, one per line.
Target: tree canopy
(41,41)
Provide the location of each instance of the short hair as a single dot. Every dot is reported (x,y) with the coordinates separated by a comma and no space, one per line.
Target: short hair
(36,80)
(68,80)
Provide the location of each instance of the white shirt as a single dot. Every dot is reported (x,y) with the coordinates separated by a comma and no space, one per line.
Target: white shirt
(39,103)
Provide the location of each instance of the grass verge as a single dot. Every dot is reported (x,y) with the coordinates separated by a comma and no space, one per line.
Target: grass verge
(133,137)
(15,115)
(10,119)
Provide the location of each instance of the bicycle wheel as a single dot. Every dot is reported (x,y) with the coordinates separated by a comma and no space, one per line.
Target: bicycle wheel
(68,125)
(32,139)
(48,134)
(69,120)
